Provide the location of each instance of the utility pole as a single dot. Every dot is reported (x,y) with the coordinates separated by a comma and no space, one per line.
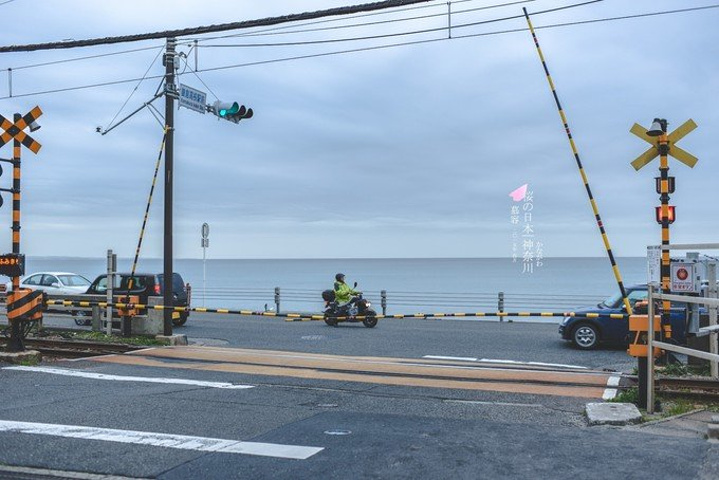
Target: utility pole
(170,94)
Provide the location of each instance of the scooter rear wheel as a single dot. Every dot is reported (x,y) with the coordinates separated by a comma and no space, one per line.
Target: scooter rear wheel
(331,321)
(370,320)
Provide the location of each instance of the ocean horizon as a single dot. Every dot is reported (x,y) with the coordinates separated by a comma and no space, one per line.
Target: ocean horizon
(410,283)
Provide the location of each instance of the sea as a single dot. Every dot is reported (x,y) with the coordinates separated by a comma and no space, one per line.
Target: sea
(411,284)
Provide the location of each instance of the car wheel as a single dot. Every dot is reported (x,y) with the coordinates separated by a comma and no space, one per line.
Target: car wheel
(585,336)
(178,322)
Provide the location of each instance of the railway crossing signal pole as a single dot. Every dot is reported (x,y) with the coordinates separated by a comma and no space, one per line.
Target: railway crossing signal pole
(663,145)
(21,305)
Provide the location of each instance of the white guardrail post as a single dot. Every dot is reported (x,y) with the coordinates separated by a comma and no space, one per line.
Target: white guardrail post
(712,293)
(650,349)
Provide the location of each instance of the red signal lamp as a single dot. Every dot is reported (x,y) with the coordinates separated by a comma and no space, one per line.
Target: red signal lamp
(671,214)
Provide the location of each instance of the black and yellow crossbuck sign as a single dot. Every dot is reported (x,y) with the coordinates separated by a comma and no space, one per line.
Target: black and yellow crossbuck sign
(682,155)
(15,130)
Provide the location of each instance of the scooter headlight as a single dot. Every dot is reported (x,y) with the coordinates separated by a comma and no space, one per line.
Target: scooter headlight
(369,304)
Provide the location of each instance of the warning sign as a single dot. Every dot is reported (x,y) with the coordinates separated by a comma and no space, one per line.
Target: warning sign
(683,276)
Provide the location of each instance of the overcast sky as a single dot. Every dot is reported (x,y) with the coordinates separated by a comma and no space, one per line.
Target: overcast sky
(408,151)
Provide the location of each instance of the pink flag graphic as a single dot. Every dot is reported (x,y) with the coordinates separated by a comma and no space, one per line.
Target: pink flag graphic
(519,194)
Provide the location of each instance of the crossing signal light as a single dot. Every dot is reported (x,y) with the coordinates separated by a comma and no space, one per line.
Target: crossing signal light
(232,111)
(671,214)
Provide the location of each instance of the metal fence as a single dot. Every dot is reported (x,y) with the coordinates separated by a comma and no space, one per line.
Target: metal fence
(297,299)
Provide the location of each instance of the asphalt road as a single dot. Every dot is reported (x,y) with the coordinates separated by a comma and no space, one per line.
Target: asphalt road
(365,430)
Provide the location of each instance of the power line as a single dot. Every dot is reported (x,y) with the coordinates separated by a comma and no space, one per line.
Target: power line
(273,31)
(375,37)
(90,57)
(136,87)
(376,47)
(76,59)
(212,28)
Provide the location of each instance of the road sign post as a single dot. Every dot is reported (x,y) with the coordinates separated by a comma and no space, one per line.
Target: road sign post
(205,243)
(663,145)
(15,131)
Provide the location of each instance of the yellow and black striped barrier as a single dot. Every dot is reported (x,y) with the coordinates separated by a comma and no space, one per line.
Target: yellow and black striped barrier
(300,317)
(592,202)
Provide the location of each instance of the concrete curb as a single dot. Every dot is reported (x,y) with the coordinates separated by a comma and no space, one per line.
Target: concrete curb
(29,356)
(612,414)
(172,340)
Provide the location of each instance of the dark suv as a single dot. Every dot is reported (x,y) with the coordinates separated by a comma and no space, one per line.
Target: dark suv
(146,285)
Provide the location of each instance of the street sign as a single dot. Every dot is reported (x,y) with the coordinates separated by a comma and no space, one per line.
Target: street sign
(193,99)
(654,257)
(205,230)
(682,155)
(12,264)
(684,277)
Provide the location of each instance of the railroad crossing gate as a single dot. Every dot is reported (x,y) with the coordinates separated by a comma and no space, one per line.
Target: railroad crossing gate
(682,155)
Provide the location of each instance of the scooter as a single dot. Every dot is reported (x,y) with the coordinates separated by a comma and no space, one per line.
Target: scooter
(349,312)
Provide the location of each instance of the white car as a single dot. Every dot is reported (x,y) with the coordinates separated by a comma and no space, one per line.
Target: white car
(58,283)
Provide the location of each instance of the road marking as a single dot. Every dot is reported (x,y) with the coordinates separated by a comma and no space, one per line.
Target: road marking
(462,359)
(180,442)
(507,362)
(121,378)
(611,393)
(499,404)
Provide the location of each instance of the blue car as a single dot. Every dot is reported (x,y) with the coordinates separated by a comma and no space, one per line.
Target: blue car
(588,333)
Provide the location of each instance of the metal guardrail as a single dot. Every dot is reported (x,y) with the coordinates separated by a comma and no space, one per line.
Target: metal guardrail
(652,343)
(280,297)
(309,299)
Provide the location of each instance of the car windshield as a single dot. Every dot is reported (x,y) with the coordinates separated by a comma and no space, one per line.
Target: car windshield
(615,301)
(74,280)
(612,301)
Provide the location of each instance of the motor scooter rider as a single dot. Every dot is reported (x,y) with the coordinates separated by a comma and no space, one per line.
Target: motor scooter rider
(344,294)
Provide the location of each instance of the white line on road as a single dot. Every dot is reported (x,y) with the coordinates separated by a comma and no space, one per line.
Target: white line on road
(506,362)
(121,378)
(498,404)
(463,359)
(180,442)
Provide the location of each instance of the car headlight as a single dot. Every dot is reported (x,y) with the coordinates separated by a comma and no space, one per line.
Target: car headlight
(566,321)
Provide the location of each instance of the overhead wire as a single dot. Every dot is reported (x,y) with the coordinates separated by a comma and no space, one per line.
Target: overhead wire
(272,31)
(77,59)
(375,47)
(92,57)
(136,87)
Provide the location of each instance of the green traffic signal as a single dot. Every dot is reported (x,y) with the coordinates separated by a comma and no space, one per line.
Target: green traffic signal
(223,109)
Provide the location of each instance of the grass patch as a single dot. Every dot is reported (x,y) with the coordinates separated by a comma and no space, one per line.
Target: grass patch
(104,338)
(29,362)
(630,395)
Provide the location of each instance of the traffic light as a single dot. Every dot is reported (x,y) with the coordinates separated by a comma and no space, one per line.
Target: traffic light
(671,214)
(234,112)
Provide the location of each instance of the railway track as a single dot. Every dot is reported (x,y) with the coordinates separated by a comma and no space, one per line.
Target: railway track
(75,349)
(695,387)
